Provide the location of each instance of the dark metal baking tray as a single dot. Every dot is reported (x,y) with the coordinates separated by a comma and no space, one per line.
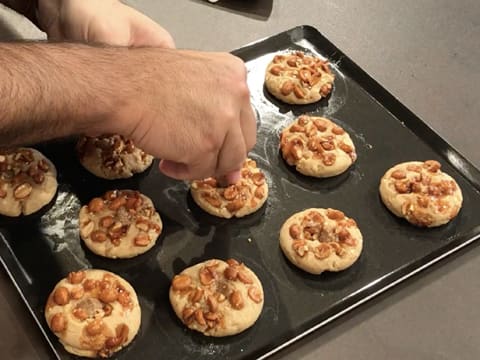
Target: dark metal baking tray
(40,249)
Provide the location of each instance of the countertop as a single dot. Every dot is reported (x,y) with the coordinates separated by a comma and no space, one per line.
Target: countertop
(426,53)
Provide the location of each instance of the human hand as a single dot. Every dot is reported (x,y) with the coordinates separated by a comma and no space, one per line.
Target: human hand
(191,109)
(100,21)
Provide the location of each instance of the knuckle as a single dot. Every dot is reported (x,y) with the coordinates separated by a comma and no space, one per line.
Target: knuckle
(243,90)
(239,68)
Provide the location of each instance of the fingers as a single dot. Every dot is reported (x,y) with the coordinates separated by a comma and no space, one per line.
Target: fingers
(202,168)
(248,123)
(232,153)
(248,127)
(230,178)
(173,169)
(224,164)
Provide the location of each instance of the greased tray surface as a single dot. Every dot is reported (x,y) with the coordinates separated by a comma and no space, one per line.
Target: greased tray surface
(39,250)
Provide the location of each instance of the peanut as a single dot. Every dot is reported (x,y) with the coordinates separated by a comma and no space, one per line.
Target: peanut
(236,300)
(328,159)
(276,70)
(61,296)
(77,293)
(255,294)
(244,277)
(197,295)
(181,282)
(287,88)
(212,303)
(142,239)
(231,272)
(322,251)
(106,221)
(398,174)
(22,191)
(432,165)
(94,328)
(325,89)
(297,90)
(337,130)
(117,203)
(258,178)
(108,295)
(294,231)
(230,192)
(95,205)
(58,323)
(80,314)
(200,318)
(98,236)
(335,214)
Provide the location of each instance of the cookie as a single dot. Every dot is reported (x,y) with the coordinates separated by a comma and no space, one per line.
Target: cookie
(28,181)
(121,224)
(318,240)
(297,78)
(240,199)
(421,193)
(317,147)
(217,298)
(112,156)
(94,313)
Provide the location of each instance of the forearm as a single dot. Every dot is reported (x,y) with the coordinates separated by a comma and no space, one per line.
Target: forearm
(54,90)
(24,7)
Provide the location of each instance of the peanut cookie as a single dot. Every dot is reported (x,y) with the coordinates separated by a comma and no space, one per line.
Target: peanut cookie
(94,313)
(317,147)
(241,199)
(217,298)
(421,193)
(298,78)
(112,156)
(28,181)
(318,240)
(121,224)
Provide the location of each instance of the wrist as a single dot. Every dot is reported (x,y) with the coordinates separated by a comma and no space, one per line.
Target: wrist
(56,90)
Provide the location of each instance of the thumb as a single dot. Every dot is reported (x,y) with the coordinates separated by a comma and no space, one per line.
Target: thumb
(146,32)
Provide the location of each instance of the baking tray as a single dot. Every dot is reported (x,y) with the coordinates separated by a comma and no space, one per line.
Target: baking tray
(40,249)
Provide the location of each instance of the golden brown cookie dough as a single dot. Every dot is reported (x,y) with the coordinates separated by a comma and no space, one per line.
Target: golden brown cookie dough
(421,193)
(318,240)
(217,298)
(112,156)
(241,199)
(121,224)
(297,78)
(28,181)
(94,313)
(317,147)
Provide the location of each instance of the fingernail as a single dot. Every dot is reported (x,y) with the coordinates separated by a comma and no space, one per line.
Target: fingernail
(228,179)
(233,177)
